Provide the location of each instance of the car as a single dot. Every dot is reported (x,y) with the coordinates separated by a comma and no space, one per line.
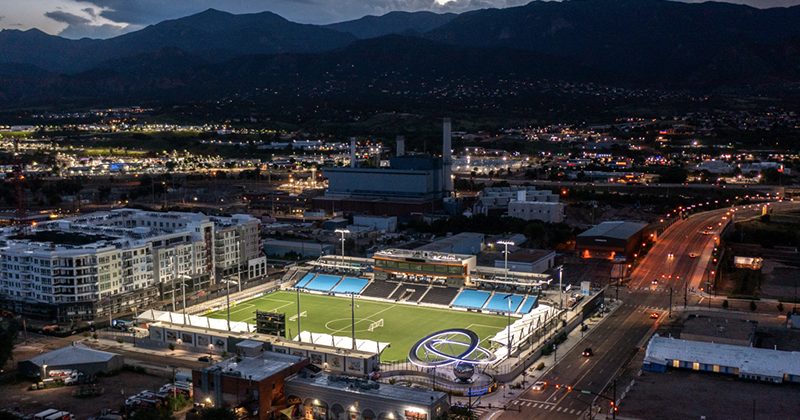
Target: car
(692,255)
(654,282)
(654,315)
(670,255)
(587,352)
(204,359)
(539,386)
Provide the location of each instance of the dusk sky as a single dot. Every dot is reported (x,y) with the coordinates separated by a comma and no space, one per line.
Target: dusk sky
(107,18)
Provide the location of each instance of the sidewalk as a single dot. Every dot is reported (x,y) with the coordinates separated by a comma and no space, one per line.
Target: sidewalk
(504,394)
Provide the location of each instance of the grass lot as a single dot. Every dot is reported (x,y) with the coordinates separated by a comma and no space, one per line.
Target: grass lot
(403,324)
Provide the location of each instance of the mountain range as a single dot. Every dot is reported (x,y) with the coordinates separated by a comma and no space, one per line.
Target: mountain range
(639,43)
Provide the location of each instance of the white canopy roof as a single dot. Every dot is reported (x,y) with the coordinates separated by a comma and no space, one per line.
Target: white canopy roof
(341,342)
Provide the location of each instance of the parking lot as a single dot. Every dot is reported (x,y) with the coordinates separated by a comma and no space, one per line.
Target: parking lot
(687,395)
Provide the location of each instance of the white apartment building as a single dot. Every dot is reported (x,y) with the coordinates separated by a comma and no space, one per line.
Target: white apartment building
(119,260)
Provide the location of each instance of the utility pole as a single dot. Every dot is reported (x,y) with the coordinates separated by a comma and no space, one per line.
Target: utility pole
(299,337)
(353,316)
(342,232)
(670,302)
(685,293)
(228,302)
(614,408)
(183,290)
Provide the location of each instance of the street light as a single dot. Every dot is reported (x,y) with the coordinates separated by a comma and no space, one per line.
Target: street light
(342,232)
(228,299)
(508,299)
(505,254)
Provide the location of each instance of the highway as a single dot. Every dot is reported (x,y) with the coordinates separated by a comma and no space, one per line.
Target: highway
(615,341)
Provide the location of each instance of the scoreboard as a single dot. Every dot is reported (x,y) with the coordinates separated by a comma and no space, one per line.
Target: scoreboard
(272,323)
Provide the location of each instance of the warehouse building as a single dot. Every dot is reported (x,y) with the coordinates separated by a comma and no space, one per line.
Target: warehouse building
(752,363)
(75,357)
(460,243)
(611,239)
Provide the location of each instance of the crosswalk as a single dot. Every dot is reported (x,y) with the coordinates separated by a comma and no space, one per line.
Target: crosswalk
(547,406)
(646,308)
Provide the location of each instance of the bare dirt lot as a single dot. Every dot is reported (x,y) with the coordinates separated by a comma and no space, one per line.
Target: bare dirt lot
(116,388)
(686,395)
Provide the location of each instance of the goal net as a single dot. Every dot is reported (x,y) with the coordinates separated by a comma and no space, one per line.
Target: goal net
(375,324)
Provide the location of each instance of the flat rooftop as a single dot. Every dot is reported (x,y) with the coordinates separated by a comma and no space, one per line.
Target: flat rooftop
(257,368)
(422,397)
(615,229)
(749,360)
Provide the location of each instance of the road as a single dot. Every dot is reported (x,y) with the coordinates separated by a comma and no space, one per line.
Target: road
(615,341)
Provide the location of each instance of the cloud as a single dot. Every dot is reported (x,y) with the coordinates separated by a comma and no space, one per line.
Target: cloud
(83,27)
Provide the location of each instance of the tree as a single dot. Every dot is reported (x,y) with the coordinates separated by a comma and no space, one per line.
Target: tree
(753,305)
(674,175)
(780,306)
(152,414)
(725,304)
(218,413)
(8,334)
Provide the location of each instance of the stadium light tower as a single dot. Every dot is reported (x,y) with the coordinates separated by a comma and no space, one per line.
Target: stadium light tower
(508,299)
(342,232)
(505,254)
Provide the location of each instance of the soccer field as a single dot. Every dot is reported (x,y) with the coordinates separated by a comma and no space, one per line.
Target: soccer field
(402,326)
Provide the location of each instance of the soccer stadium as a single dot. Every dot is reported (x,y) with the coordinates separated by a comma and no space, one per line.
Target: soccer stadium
(406,302)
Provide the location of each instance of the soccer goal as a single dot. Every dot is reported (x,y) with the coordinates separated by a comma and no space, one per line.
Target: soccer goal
(303,314)
(376,324)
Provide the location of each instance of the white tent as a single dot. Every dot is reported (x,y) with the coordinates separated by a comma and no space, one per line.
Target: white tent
(177,318)
(341,342)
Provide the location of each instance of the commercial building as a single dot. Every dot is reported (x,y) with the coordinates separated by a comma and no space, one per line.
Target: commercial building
(496,200)
(324,396)
(121,260)
(74,357)
(611,239)
(745,362)
(253,384)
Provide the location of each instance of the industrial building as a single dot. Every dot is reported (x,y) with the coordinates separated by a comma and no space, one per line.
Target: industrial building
(528,260)
(524,208)
(411,183)
(379,223)
(119,260)
(611,239)
(460,243)
(74,357)
(745,362)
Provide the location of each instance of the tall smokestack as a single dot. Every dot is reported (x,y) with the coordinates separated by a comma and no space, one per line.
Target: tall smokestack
(447,157)
(352,152)
(401,146)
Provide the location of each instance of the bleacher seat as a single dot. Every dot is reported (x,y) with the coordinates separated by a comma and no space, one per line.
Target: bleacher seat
(304,281)
(350,285)
(526,307)
(379,289)
(440,295)
(499,302)
(323,282)
(474,299)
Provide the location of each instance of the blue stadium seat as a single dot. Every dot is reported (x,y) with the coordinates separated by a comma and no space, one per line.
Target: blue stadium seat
(304,281)
(351,285)
(471,299)
(323,282)
(499,302)
(529,304)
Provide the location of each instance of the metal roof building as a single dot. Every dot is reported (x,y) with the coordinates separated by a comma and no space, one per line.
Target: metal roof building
(611,239)
(77,356)
(745,362)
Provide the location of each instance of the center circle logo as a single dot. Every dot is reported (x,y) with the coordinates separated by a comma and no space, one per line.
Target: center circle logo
(456,346)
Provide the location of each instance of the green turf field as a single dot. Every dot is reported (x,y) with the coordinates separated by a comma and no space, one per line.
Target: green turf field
(403,324)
